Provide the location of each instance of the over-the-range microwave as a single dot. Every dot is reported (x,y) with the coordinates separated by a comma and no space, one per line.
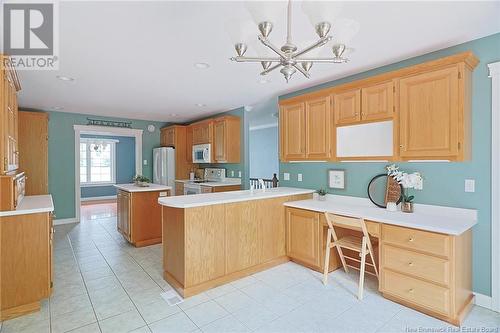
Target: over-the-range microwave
(202,153)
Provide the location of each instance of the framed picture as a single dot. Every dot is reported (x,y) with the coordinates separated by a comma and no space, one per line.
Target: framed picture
(336,179)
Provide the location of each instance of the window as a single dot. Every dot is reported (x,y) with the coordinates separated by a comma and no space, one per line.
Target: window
(97,162)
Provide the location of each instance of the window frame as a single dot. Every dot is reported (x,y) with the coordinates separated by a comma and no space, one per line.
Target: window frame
(112,143)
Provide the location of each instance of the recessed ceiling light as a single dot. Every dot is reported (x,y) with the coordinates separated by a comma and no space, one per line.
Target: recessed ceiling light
(200,105)
(248,108)
(65,78)
(57,108)
(173,115)
(201,65)
(264,81)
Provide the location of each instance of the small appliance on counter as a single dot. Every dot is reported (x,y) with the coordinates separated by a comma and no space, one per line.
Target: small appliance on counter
(13,190)
(202,153)
(210,175)
(164,166)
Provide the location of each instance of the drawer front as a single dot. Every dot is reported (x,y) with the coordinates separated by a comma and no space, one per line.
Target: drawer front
(373,228)
(430,242)
(416,264)
(418,292)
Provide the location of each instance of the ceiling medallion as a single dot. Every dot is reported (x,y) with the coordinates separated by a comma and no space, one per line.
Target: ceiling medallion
(289,58)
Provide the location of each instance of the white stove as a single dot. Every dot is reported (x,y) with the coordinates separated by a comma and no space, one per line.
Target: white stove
(209,175)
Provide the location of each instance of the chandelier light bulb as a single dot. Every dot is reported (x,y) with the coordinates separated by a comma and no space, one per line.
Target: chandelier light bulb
(265,28)
(266,64)
(338,50)
(323,28)
(306,65)
(240,48)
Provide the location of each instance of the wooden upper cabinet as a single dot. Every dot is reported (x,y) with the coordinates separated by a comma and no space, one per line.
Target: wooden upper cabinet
(318,124)
(347,107)
(9,153)
(189,144)
(227,139)
(202,132)
(431,121)
(167,138)
(293,131)
(377,102)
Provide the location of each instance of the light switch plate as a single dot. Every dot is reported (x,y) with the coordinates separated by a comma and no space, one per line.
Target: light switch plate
(470,185)
(163,194)
(286,176)
(239,174)
(299,177)
(145,162)
(232,173)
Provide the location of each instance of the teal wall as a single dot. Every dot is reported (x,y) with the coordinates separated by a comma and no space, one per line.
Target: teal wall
(443,182)
(62,156)
(243,165)
(263,152)
(125,166)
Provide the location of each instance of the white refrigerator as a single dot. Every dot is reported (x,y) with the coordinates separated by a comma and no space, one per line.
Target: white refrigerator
(164,166)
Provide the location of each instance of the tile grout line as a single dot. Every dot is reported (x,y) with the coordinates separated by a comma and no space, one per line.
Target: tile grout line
(84,283)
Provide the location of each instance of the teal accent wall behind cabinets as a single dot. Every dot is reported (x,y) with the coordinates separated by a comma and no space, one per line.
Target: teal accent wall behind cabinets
(443,182)
(125,166)
(263,151)
(62,156)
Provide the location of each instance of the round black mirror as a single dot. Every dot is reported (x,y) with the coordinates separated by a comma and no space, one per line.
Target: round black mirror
(383,189)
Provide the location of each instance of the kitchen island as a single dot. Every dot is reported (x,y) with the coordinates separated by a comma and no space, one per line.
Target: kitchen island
(139,214)
(211,239)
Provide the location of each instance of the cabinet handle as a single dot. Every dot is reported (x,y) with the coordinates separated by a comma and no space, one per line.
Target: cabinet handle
(401,146)
(411,239)
(410,264)
(411,290)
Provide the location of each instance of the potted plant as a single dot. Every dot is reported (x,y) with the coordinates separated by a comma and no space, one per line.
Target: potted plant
(322,194)
(141,181)
(408,181)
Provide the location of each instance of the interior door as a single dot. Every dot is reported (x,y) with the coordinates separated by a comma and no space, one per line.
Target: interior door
(429,114)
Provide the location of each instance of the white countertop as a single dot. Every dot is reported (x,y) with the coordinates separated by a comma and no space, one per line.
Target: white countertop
(226,182)
(32,204)
(206,199)
(150,188)
(446,220)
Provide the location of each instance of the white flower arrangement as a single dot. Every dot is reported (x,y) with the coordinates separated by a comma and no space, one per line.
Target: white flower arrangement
(407,180)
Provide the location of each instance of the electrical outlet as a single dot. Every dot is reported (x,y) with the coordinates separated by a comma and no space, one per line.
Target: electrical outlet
(145,162)
(299,177)
(470,185)
(239,174)
(232,173)
(286,176)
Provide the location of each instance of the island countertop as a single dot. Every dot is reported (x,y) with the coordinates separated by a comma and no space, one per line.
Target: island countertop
(150,188)
(441,219)
(206,199)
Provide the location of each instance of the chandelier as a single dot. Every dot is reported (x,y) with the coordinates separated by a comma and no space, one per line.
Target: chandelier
(288,57)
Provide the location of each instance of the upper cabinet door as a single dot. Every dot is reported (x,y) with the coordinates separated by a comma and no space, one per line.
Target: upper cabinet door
(429,114)
(377,102)
(318,117)
(189,144)
(348,107)
(220,138)
(292,118)
(202,132)
(168,137)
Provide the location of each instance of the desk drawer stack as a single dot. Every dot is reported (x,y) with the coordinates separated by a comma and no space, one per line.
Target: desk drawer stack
(427,271)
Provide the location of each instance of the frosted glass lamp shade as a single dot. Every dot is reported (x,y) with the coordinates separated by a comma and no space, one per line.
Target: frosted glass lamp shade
(240,31)
(321,11)
(344,30)
(266,11)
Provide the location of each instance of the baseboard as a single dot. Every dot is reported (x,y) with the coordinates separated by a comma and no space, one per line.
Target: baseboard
(107,197)
(65,221)
(483,301)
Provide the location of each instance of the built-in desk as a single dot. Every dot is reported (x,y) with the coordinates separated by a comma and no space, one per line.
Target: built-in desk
(424,258)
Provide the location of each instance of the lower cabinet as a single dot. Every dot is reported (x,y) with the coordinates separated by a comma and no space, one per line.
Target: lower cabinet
(213,189)
(139,216)
(302,239)
(179,188)
(26,265)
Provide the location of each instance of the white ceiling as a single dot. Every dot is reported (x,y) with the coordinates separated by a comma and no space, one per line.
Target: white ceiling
(136,59)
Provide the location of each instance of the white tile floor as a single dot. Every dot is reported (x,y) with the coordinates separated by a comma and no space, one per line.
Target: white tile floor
(102,284)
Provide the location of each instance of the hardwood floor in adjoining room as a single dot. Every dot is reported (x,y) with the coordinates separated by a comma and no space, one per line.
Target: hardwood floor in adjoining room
(103,284)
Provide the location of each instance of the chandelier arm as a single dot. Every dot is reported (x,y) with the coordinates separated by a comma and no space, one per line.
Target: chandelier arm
(267,43)
(300,69)
(323,60)
(254,59)
(270,69)
(319,43)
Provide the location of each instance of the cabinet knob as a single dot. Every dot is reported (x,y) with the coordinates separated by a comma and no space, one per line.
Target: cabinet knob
(410,264)
(401,146)
(411,239)
(411,290)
